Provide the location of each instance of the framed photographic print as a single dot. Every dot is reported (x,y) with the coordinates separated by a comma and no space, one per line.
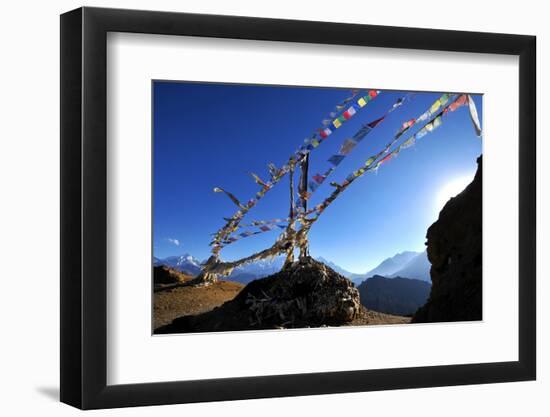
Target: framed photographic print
(309,199)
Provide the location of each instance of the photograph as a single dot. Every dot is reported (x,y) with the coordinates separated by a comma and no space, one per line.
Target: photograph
(285,207)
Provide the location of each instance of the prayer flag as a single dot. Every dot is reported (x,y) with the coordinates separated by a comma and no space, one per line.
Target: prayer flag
(374,123)
(315,143)
(408,143)
(336,159)
(361,133)
(325,132)
(349,113)
(347,146)
(362,102)
(257,179)
(435,106)
(398,103)
(424,117)
(373,93)
(231,196)
(421,133)
(474,116)
(460,101)
(336,123)
(318,178)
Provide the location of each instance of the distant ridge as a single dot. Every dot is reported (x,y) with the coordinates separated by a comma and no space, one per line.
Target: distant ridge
(400,296)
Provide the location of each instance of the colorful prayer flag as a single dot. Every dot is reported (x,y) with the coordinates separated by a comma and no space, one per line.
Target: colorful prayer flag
(362,102)
(347,146)
(435,106)
(361,133)
(318,178)
(325,132)
(349,113)
(474,116)
(336,123)
(336,159)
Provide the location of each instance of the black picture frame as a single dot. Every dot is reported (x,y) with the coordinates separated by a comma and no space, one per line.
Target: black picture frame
(84,207)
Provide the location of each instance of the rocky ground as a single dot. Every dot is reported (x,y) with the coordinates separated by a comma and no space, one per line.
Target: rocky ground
(308,294)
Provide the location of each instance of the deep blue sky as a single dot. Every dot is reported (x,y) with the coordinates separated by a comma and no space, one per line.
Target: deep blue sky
(208,135)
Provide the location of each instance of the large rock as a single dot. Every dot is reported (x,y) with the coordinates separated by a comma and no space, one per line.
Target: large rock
(455,252)
(305,294)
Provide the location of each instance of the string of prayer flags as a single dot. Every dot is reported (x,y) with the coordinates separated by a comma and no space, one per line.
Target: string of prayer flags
(258,180)
(373,163)
(349,144)
(231,196)
(276,175)
(406,126)
(474,116)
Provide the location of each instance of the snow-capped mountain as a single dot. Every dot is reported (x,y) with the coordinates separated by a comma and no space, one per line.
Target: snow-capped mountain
(184,263)
(244,274)
(255,270)
(335,267)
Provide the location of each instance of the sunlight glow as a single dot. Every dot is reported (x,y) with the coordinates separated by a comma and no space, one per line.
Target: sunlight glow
(451,189)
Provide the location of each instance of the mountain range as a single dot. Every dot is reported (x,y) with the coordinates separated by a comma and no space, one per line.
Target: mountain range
(399,296)
(407,264)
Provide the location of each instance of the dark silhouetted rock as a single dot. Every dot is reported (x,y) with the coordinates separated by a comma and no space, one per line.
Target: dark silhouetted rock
(401,296)
(455,252)
(305,294)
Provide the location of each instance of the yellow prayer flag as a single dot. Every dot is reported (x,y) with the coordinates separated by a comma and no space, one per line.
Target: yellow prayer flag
(315,143)
(362,102)
(435,106)
(337,123)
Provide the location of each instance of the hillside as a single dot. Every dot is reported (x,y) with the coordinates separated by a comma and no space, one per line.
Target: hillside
(170,303)
(401,296)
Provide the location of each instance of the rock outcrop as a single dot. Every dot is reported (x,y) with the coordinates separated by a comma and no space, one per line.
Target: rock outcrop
(455,252)
(306,293)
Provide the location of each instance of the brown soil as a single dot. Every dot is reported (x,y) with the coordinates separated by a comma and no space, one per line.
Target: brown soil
(371,318)
(174,301)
